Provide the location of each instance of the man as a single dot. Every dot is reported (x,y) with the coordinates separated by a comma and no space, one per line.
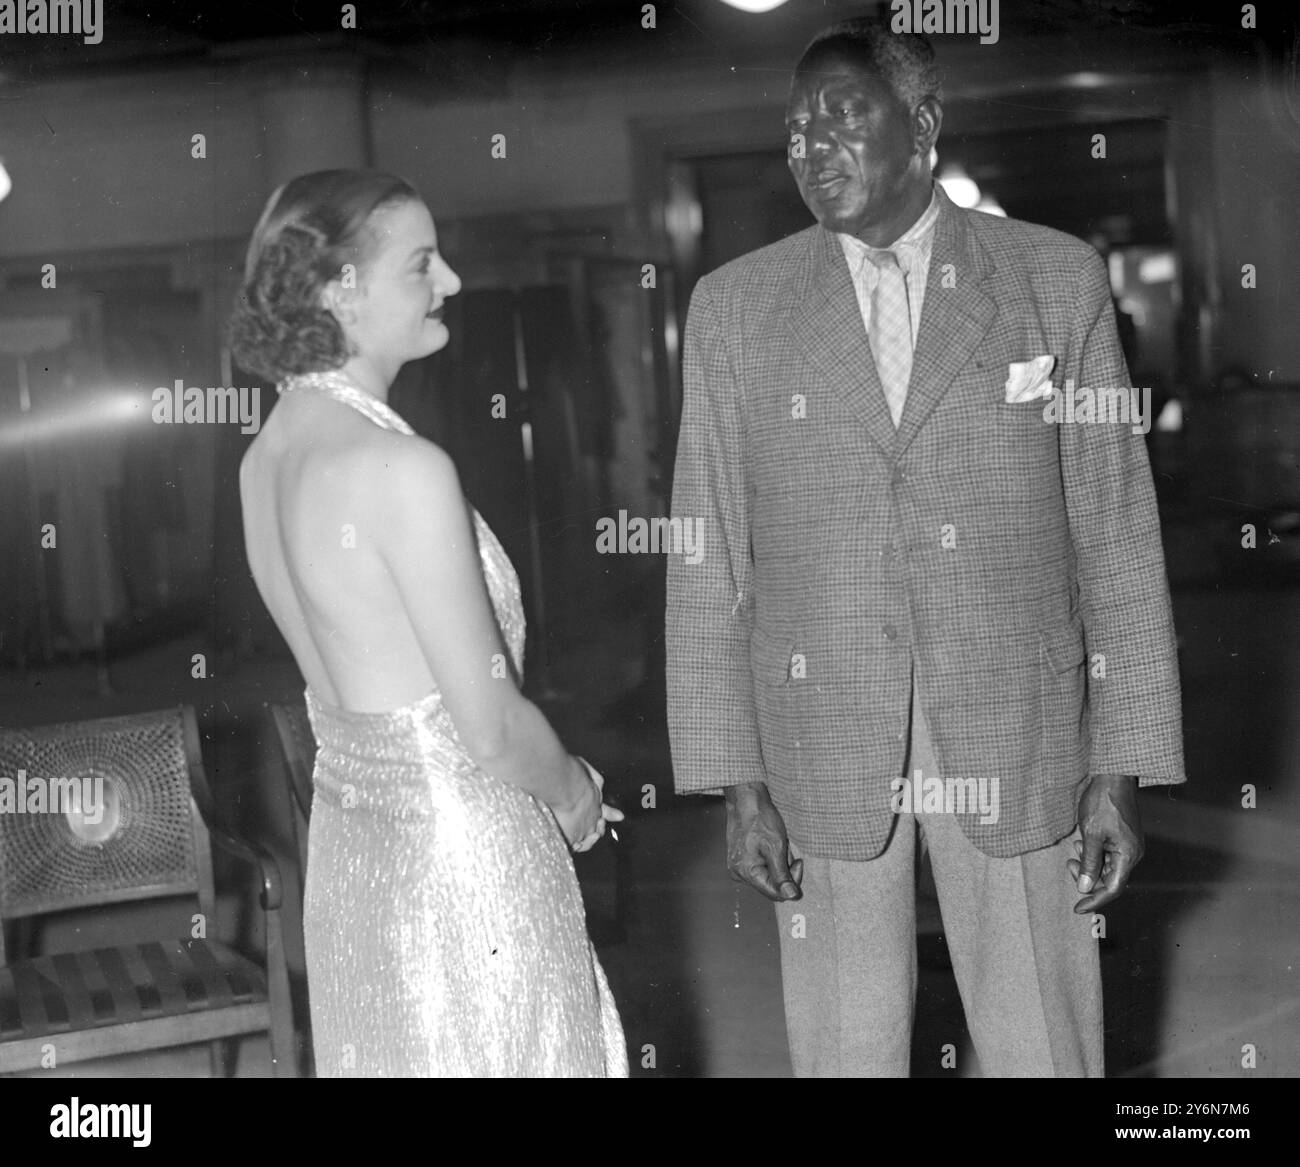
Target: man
(913,581)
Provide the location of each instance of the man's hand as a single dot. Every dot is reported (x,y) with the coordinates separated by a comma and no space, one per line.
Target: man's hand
(1112,843)
(757,847)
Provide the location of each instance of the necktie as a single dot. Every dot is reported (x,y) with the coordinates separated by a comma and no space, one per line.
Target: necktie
(890,330)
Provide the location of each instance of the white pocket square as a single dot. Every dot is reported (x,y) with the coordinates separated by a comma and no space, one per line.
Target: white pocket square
(1029,380)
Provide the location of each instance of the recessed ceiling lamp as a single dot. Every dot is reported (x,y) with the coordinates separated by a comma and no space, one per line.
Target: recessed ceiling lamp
(754,5)
(6,183)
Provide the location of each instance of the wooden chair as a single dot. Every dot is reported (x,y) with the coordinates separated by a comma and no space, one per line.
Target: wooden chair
(141,829)
(298,745)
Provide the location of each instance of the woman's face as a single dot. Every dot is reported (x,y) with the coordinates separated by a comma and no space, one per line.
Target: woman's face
(396,310)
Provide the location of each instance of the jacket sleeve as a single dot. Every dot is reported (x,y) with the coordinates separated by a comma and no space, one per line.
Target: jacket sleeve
(1134,708)
(712,725)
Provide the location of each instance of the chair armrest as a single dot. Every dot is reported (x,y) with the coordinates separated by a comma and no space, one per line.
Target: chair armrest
(272,894)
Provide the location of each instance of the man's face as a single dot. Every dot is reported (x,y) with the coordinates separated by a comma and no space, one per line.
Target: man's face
(860,152)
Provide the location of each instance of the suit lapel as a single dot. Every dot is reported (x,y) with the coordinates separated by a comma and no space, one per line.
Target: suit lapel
(953,319)
(824,320)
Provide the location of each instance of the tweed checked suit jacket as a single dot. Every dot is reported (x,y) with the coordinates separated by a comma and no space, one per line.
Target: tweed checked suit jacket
(1014,563)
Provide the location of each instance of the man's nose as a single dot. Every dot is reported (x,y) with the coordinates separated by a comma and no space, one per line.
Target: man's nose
(819,142)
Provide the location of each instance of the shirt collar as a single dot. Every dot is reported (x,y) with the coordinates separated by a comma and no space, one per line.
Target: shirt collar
(905,247)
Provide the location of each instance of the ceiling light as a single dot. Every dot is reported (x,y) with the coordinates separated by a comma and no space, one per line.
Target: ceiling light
(958,185)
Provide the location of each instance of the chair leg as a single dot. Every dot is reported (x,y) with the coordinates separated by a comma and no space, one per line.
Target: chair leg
(217,1057)
(284,1045)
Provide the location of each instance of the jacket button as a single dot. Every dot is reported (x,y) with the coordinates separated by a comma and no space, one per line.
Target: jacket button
(898,478)
(891,633)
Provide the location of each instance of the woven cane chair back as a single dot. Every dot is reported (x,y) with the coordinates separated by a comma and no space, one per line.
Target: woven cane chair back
(98,812)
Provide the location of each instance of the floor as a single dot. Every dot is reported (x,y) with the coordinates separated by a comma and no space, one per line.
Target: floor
(1200,959)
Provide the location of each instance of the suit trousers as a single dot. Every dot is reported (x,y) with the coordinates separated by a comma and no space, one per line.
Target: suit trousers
(1027,967)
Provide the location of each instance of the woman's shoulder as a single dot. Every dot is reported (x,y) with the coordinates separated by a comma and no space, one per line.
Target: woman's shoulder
(391,455)
(341,443)
(345,448)
(406,471)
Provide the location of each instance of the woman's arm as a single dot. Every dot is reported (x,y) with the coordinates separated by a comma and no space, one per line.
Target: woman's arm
(429,548)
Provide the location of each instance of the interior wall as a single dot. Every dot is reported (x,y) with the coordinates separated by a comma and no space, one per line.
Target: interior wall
(569,149)
(106,163)
(1254,141)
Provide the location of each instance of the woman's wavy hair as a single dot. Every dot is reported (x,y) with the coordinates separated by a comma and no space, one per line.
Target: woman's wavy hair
(311,227)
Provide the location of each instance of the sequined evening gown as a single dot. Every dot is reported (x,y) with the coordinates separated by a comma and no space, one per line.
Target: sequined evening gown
(445,931)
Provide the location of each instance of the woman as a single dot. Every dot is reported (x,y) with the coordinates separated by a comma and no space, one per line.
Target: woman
(444,925)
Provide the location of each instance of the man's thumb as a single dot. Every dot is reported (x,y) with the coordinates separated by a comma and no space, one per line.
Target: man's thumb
(1090,869)
(780,869)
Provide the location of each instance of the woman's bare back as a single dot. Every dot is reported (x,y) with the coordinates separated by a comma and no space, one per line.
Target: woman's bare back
(317,530)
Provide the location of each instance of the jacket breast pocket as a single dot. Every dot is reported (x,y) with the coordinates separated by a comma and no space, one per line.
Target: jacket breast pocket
(1063,677)
(1021,412)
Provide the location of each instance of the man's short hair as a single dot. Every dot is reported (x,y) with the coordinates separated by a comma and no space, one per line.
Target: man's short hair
(905,61)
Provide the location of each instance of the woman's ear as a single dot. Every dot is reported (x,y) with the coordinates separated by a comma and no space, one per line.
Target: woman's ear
(337,296)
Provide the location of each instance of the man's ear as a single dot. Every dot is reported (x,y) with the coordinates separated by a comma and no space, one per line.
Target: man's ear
(926,121)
